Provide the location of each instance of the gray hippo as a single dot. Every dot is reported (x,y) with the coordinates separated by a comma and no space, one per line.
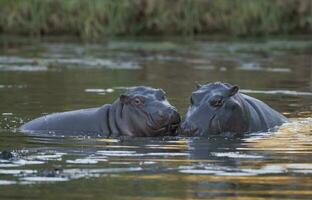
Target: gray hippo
(220,108)
(140,111)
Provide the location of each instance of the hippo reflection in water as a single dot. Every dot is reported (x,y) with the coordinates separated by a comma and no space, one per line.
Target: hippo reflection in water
(221,108)
(141,111)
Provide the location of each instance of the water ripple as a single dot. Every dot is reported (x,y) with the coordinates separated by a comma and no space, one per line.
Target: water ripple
(286,92)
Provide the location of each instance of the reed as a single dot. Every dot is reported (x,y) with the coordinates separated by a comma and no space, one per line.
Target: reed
(93,19)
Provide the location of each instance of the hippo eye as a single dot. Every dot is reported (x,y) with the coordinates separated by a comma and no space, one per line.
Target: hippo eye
(216,102)
(138,101)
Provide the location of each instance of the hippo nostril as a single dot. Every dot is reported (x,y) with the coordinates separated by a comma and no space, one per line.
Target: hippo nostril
(188,129)
(193,128)
(185,126)
(197,132)
(169,115)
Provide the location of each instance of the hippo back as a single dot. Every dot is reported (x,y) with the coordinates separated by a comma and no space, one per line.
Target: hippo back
(91,122)
(261,116)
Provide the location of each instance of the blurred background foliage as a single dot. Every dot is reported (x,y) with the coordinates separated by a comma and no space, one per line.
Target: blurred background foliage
(93,19)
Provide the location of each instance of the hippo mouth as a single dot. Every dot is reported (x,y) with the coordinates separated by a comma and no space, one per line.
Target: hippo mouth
(214,125)
(171,129)
(168,127)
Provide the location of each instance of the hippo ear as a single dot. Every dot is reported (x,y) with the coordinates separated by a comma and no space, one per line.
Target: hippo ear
(233,90)
(198,85)
(124,99)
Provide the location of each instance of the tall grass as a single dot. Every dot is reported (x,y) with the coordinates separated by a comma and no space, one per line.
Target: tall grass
(94,19)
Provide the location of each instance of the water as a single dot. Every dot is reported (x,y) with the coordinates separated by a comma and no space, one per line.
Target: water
(53,75)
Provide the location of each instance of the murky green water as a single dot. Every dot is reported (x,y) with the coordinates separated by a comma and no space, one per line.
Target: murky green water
(37,78)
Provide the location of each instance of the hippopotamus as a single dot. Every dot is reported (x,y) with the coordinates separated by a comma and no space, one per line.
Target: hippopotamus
(140,111)
(220,108)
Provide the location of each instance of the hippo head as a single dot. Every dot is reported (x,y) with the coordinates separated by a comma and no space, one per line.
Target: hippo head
(147,112)
(215,108)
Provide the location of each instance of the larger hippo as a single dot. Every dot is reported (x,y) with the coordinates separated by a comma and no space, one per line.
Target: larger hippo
(220,107)
(140,111)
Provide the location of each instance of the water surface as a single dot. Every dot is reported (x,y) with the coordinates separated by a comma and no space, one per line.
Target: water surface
(52,75)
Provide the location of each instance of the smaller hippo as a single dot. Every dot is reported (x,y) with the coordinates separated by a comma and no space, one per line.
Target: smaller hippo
(140,111)
(220,108)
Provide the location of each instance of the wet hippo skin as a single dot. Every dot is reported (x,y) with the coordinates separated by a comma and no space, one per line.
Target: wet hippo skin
(220,108)
(140,111)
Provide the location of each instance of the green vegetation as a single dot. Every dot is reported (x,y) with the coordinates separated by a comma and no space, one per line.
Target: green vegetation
(93,19)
